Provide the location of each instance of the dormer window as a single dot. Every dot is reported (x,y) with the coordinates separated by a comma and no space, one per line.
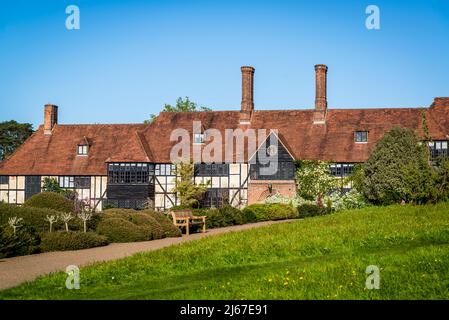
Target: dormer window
(361,136)
(82,150)
(198,138)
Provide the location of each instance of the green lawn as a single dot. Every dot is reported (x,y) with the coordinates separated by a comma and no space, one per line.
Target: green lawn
(317,258)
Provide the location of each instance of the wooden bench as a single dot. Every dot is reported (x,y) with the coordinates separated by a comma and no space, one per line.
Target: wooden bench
(185,218)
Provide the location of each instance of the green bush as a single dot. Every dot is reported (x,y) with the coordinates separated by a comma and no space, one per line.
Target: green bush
(398,170)
(61,241)
(51,200)
(273,211)
(169,230)
(147,221)
(121,230)
(25,241)
(222,217)
(229,216)
(311,210)
(258,211)
(135,225)
(35,217)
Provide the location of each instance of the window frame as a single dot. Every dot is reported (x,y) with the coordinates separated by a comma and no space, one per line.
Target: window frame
(360,132)
(341,169)
(4,180)
(82,150)
(286,171)
(211,169)
(75,182)
(130,173)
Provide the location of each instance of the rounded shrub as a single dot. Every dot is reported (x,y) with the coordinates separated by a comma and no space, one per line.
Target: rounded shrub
(25,241)
(62,241)
(156,224)
(146,221)
(169,230)
(51,200)
(311,210)
(121,230)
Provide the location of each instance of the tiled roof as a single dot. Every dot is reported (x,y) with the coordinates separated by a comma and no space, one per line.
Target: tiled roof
(55,154)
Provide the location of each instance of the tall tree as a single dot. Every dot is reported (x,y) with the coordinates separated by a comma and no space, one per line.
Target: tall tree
(182,105)
(12,135)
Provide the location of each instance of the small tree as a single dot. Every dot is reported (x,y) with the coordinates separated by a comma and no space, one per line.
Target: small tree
(396,167)
(314,180)
(51,185)
(51,219)
(189,192)
(14,223)
(86,212)
(66,217)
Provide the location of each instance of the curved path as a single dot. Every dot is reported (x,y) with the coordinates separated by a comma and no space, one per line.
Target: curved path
(14,271)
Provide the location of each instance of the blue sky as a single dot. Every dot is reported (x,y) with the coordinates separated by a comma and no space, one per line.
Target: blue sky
(131,57)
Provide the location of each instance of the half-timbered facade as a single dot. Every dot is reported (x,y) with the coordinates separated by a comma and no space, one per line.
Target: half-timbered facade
(130,165)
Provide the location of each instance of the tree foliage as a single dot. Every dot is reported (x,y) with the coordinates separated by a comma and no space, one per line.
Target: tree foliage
(12,135)
(393,157)
(399,170)
(182,105)
(189,192)
(314,180)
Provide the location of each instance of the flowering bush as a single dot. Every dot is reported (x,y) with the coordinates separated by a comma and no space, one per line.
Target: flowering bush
(314,180)
(336,200)
(350,200)
(296,201)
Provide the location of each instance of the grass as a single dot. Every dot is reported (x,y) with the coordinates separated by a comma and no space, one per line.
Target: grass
(317,258)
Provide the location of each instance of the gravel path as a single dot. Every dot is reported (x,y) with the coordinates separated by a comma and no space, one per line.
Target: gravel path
(16,270)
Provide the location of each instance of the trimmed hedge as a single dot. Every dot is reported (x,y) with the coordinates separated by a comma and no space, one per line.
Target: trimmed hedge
(51,200)
(25,241)
(35,217)
(222,217)
(311,210)
(273,211)
(229,216)
(62,241)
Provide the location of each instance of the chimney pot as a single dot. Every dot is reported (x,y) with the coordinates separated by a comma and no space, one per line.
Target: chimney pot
(247,106)
(50,117)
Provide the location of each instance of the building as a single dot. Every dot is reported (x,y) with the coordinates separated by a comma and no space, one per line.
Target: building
(129,165)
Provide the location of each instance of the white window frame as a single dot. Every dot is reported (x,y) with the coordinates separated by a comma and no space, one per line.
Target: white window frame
(82,150)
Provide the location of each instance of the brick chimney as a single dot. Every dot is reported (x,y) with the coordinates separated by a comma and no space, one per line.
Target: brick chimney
(50,117)
(247,105)
(320,94)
